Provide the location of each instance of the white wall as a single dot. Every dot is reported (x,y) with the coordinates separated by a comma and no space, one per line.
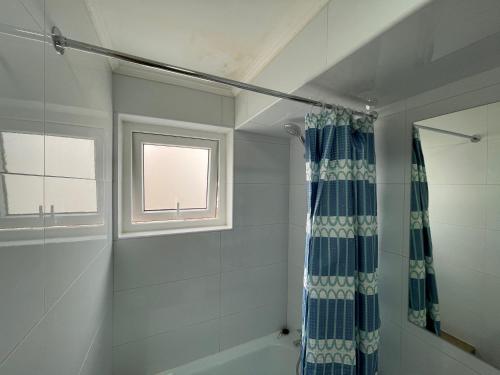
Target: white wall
(181,297)
(463,179)
(405,348)
(55,285)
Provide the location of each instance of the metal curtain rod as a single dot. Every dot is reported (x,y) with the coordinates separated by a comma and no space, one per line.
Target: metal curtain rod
(473,138)
(60,43)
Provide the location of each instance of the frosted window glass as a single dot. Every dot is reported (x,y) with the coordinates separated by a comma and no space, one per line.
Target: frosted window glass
(24,194)
(175,175)
(69,195)
(69,157)
(22,153)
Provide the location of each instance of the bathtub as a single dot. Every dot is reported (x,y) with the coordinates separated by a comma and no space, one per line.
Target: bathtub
(268,355)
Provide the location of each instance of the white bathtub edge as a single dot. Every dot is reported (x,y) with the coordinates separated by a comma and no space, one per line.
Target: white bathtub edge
(220,358)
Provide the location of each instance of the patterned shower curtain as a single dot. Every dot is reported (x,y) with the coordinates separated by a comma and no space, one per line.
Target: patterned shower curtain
(423,309)
(340,303)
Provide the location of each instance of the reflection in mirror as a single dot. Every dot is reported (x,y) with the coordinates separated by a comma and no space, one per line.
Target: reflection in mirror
(60,193)
(23,195)
(40,176)
(70,157)
(454,264)
(21,153)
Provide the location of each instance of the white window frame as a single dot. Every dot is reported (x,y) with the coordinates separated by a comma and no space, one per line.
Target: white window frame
(132,219)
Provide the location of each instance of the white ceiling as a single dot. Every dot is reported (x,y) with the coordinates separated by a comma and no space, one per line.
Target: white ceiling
(230,38)
(443,42)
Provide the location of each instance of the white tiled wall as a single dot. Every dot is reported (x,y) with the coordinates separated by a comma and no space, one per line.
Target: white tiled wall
(55,285)
(178,298)
(404,348)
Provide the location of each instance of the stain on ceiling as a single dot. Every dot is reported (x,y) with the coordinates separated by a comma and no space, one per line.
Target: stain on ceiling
(231,38)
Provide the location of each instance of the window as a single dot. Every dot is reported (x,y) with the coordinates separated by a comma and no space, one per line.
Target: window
(173,177)
(185,186)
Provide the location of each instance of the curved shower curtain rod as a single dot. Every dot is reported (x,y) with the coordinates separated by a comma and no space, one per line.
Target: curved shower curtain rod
(60,44)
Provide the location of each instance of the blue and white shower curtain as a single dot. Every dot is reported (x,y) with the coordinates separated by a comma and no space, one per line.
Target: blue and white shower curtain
(423,309)
(340,303)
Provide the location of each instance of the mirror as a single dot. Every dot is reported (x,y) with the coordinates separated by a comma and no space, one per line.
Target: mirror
(454,263)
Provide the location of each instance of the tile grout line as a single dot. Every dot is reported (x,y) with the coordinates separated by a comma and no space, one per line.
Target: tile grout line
(93,342)
(165,332)
(235,269)
(120,291)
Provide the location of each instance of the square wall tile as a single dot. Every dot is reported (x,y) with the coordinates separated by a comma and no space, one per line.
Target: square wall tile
(389,287)
(405,247)
(257,204)
(294,316)
(458,286)
(260,162)
(392,148)
(253,287)
(453,244)
(296,245)
(295,284)
(457,162)
(160,259)
(166,351)
(60,342)
(390,349)
(22,276)
(143,312)
(492,199)
(459,205)
(65,261)
(390,200)
(405,275)
(100,357)
(298,205)
(490,262)
(252,246)
(493,167)
(250,324)
(297,163)
(493,142)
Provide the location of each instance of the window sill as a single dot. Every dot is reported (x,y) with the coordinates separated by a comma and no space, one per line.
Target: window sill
(166,232)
